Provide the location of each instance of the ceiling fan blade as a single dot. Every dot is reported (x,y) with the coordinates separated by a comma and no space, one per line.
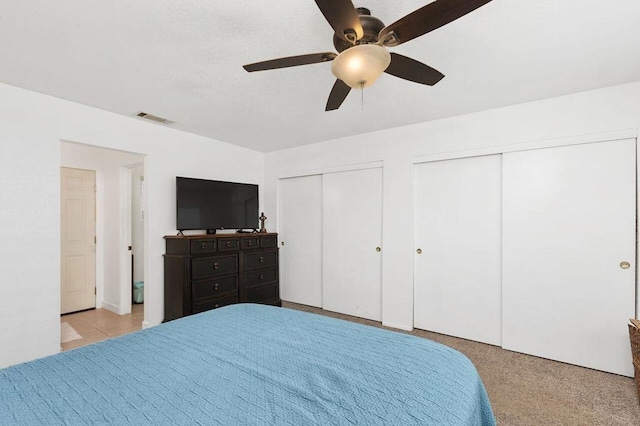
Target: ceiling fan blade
(426,19)
(343,18)
(290,61)
(412,70)
(338,95)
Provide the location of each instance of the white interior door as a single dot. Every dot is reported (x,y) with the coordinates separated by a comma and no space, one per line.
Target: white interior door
(458,221)
(352,231)
(569,222)
(300,226)
(77,240)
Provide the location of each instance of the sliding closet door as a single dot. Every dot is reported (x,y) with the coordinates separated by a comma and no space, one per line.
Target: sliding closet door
(352,222)
(458,231)
(300,226)
(569,253)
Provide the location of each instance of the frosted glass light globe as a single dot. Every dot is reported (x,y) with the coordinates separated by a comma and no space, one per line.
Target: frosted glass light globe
(360,66)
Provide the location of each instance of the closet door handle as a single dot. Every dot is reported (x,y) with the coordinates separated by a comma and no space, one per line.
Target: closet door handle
(419,251)
(261,259)
(625,265)
(378,249)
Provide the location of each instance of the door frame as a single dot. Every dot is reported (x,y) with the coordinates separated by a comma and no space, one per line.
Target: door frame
(525,146)
(333,169)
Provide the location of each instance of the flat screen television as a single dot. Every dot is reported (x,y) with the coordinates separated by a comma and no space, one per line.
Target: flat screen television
(211,204)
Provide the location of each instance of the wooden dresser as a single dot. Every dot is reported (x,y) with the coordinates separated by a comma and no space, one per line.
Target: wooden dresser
(203,272)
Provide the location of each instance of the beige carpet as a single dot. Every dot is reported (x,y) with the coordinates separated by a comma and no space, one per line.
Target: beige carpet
(527,390)
(67,333)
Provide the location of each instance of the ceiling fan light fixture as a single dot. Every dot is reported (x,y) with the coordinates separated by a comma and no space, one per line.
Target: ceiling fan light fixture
(360,66)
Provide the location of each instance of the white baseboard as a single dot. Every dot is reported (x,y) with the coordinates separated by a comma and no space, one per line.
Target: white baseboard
(399,327)
(111,307)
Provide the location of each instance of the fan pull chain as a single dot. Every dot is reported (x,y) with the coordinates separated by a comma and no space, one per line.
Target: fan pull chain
(362,96)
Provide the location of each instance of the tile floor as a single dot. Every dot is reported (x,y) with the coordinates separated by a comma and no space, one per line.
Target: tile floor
(96,325)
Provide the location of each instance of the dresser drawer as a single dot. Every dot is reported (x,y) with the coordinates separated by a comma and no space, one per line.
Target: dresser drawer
(263,259)
(228,244)
(249,243)
(203,246)
(213,287)
(260,277)
(223,301)
(219,265)
(261,294)
(207,271)
(269,241)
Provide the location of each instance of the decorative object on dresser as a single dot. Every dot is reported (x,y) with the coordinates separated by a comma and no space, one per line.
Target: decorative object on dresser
(263,219)
(203,272)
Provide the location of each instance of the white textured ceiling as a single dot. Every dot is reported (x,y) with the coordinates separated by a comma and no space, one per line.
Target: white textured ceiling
(183,60)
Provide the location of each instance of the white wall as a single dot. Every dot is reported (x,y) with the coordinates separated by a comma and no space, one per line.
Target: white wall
(31,128)
(30,229)
(596,111)
(108,164)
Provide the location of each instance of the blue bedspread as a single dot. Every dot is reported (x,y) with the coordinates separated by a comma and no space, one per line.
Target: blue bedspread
(250,365)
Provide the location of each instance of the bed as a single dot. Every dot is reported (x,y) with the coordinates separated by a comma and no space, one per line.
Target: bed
(250,364)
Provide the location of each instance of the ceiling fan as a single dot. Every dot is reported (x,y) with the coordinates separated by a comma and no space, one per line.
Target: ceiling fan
(362,39)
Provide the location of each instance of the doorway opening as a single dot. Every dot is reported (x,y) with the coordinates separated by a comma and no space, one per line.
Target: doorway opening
(113,242)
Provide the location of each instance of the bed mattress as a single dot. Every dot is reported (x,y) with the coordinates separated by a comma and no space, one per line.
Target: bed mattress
(250,365)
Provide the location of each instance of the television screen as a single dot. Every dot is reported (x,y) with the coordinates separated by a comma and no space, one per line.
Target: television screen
(212,204)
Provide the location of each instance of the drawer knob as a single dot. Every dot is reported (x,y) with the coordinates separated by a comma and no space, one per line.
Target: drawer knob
(261,259)
(419,251)
(250,243)
(204,245)
(378,249)
(216,265)
(215,286)
(282,243)
(261,276)
(228,243)
(216,306)
(625,265)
